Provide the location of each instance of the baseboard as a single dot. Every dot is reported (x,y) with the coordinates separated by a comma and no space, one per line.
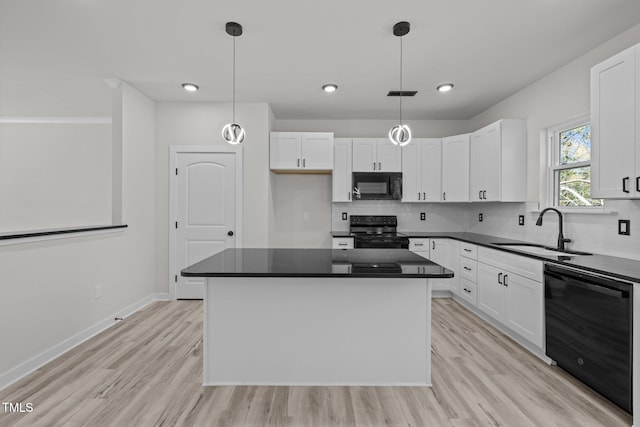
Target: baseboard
(20,371)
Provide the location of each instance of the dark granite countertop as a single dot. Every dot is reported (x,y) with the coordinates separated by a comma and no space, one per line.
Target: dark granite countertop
(621,268)
(371,263)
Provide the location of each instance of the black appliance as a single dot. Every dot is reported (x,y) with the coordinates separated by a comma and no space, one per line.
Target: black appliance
(377,185)
(376,231)
(589,330)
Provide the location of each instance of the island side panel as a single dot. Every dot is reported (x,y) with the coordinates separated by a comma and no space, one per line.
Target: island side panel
(317,331)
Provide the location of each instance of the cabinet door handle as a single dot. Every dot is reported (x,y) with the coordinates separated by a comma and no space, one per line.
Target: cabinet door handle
(467,250)
(379,166)
(342,244)
(374,165)
(298,162)
(480,194)
(419,244)
(500,278)
(304,163)
(637,183)
(433,245)
(467,268)
(484,194)
(424,196)
(444,195)
(418,195)
(505,280)
(467,290)
(625,180)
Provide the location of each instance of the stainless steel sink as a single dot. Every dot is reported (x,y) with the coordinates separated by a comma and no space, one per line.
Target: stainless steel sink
(537,249)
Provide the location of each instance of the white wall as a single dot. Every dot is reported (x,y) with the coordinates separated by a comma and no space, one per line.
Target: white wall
(48,287)
(559,96)
(201,124)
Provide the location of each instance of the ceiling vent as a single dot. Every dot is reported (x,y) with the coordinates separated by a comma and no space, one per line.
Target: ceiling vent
(402,93)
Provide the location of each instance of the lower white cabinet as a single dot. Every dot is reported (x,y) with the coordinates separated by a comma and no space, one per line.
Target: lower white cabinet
(342,243)
(510,298)
(443,252)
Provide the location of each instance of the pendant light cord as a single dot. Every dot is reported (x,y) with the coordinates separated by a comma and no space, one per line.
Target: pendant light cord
(234,81)
(401,80)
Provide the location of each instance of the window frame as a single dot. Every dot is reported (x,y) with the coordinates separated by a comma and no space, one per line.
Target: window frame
(554,166)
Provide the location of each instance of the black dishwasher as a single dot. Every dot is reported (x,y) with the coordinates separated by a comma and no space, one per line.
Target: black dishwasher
(589,330)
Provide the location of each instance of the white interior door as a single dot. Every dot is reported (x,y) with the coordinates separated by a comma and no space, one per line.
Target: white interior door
(205,213)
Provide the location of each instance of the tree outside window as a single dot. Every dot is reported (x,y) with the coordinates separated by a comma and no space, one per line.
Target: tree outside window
(571,165)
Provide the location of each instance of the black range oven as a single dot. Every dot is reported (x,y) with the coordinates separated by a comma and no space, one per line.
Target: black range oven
(370,231)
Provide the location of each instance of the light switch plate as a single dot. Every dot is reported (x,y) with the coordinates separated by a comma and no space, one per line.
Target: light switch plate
(520,219)
(480,217)
(344,216)
(624,226)
(423,216)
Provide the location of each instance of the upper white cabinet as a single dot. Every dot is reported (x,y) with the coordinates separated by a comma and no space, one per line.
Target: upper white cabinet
(615,126)
(301,152)
(422,170)
(498,162)
(376,155)
(341,179)
(455,168)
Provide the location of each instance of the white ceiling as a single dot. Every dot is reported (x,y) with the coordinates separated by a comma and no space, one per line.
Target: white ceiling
(56,52)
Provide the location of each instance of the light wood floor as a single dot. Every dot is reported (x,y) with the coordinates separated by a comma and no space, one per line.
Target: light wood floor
(147,370)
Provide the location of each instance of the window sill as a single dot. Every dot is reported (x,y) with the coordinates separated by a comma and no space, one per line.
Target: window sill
(17,237)
(579,211)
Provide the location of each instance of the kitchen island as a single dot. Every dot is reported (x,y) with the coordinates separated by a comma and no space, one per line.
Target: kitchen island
(317,317)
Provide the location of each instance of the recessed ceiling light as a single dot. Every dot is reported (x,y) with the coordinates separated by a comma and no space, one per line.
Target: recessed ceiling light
(330,87)
(190,87)
(446,87)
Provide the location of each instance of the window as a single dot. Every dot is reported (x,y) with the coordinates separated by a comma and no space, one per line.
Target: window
(570,165)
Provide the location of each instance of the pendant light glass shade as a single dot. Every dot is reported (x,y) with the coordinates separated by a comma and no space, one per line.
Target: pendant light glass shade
(401,133)
(232,132)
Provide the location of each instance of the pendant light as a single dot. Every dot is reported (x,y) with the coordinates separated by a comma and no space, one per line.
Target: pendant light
(232,132)
(401,133)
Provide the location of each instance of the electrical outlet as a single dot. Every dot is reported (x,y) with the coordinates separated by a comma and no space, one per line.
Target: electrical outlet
(344,216)
(480,217)
(423,216)
(624,226)
(520,219)
(97,291)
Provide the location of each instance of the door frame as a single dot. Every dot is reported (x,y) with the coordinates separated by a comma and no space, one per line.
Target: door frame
(174,151)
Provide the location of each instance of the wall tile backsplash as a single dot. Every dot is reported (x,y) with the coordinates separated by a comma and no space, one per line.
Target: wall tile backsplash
(597,233)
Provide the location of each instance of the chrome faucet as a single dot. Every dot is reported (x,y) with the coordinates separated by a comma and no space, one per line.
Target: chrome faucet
(561,239)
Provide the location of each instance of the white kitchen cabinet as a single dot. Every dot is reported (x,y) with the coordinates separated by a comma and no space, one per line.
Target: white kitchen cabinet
(422,170)
(341,179)
(376,155)
(510,290)
(342,243)
(302,152)
(439,251)
(498,162)
(615,126)
(455,168)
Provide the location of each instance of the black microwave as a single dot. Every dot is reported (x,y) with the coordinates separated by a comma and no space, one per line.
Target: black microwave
(377,185)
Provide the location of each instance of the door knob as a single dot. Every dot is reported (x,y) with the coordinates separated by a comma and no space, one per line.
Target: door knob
(230,233)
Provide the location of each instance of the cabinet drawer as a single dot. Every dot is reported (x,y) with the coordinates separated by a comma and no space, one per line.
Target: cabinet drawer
(469,269)
(468,250)
(468,291)
(419,245)
(342,243)
(517,264)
